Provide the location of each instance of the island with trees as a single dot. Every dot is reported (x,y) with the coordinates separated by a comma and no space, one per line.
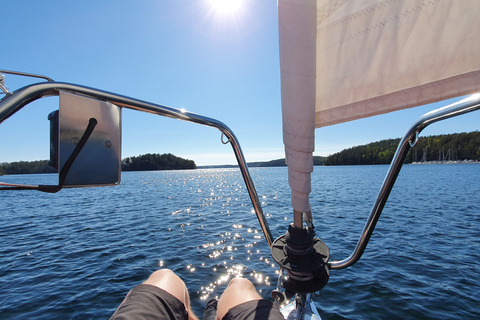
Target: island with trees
(155,161)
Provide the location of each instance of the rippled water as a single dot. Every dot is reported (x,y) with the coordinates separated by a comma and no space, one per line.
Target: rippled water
(76,254)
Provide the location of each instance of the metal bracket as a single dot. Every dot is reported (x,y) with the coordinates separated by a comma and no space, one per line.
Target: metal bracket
(414,143)
(2,85)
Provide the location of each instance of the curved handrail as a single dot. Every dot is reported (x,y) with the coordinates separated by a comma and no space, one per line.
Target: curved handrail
(18,99)
(469,104)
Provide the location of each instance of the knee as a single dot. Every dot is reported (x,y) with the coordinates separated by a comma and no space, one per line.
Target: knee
(164,279)
(241,284)
(163,273)
(167,280)
(239,290)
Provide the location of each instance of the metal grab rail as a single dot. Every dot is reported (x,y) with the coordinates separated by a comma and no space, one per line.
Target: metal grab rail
(13,102)
(469,104)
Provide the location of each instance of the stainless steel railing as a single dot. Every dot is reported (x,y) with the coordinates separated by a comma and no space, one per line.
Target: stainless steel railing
(16,100)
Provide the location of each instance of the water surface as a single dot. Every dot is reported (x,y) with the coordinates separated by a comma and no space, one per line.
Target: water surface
(75,254)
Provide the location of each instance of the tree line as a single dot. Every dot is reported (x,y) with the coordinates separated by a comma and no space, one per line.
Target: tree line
(26,167)
(448,147)
(144,162)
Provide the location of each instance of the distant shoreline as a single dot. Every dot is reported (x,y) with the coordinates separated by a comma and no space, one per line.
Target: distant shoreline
(449,162)
(233,166)
(430,149)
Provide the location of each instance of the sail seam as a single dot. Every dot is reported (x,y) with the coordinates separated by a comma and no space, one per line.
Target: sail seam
(381,24)
(295,155)
(299,74)
(292,177)
(298,135)
(327,9)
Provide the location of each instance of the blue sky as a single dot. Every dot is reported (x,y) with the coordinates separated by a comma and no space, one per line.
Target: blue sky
(184,54)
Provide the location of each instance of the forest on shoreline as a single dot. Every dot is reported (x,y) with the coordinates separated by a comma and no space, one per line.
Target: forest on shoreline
(439,148)
(448,147)
(146,162)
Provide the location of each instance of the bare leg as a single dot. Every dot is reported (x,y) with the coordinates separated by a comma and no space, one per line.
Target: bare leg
(167,280)
(239,290)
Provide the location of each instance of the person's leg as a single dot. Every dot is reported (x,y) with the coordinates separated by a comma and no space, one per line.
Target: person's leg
(239,290)
(167,280)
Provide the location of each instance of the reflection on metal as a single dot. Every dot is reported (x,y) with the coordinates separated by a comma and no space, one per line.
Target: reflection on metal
(308,217)
(2,85)
(9,105)
(99,163)
(297,219)
(221,139)
(469,104)
(414,142)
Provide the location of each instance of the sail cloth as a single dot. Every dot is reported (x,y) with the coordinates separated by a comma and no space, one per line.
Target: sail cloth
(372,57)
(375,57)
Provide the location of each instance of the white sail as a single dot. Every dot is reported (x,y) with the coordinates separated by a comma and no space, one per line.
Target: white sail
(371,57)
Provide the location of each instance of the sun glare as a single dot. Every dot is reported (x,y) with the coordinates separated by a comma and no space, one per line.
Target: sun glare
(226,6)
(225,19)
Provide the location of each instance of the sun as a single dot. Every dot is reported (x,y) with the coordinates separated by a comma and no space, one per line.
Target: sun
(227,19)
(226,7)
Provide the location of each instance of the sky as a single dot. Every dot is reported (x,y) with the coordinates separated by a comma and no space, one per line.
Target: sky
(190,54)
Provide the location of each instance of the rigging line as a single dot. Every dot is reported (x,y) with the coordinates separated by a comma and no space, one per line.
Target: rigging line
(63,173)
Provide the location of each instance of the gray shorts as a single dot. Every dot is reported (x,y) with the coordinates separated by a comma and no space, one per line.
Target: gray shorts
(254,310)
(149,302)
(145,301)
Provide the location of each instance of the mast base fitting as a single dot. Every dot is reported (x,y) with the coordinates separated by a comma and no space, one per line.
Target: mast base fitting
(305,257)
(280,296)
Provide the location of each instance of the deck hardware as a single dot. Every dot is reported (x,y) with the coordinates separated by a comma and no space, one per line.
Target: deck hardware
(92,122)
(224,142)
(308,218)
(2,85)
(412,144)
(305,257)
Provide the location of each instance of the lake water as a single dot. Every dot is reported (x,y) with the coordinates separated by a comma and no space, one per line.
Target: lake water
(75,254)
